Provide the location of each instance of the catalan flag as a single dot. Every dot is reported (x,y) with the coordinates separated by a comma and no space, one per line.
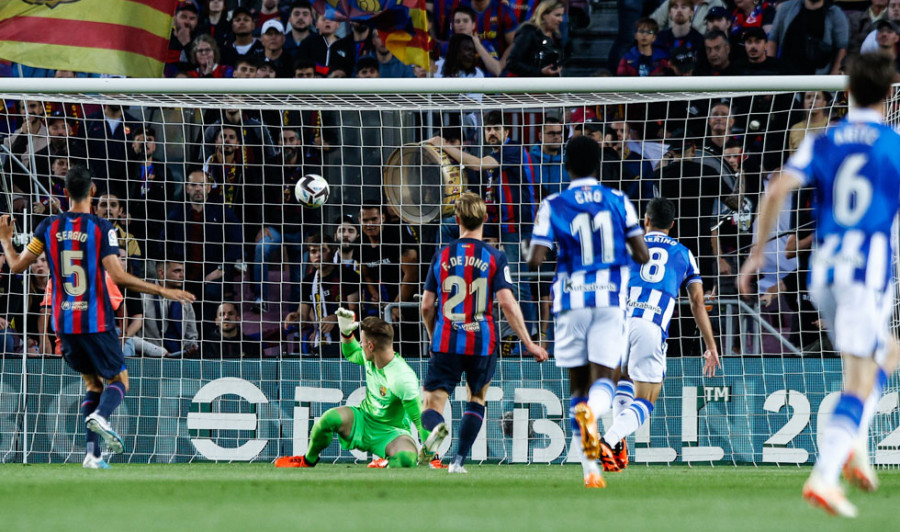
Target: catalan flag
(123,37)
(411,44)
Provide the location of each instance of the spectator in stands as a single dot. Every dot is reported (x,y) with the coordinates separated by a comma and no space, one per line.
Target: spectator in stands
(10,306)
(346,236)
(367,68)
(62,144)
(717,19)
(326,288)
(683,61)
(752,14)
(300,22)
(388,65)
(150,188)
(644,59)
(720,125)
(548,155)
(887,40)
(758,63)
(226,339)
(870,44)
(268,10)
(538,48)
(305,69)
(243,42)
(208,236)
(680,33)
(246,67)
(810,36)
(108,133)
(40,339)
(326,49)
(815,117)
(171,325)
(214,22)
(718,55)
(463,22)
(460,62)
(861,23)
(257,141)
(496,23)
(267,71)
(205,56)
(111,208)
(360,40)
(32,135)
(183,33)
(283,218)
(701,8)
(273,42)
(731,236)
(635,175)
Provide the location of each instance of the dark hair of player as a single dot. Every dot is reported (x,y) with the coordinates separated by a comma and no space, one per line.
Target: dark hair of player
(871,76)
(78,183)
(661,212)
(378,332)
(471,210)
(582,157)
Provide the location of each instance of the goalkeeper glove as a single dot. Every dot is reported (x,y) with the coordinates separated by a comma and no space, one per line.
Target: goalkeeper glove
(346,322)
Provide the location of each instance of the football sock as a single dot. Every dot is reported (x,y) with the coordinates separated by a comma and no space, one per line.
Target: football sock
(431,418)
(111,398)
(403,459)
(600,397)
(838,437)
(628,421)
(575,446)
(872,403)
(624,396)
(468,430)
(322,433)
(87,408)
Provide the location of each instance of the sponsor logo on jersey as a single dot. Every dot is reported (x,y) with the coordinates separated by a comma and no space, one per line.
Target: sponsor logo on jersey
(383,391)
(569,286)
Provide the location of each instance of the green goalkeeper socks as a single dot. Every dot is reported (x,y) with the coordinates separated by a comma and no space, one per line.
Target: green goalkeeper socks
(403,459)
(322,433)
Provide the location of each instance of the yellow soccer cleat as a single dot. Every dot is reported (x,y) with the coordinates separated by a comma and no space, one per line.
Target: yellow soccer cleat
(590,435)
(829,498)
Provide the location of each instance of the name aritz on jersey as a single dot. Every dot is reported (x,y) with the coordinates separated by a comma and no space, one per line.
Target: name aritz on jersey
(71,235)
(570,286)
(475,262)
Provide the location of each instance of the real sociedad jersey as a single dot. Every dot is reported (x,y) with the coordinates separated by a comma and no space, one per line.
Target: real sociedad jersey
(854,169)
(465,275)
(76,244)
(653,291)
(590,223)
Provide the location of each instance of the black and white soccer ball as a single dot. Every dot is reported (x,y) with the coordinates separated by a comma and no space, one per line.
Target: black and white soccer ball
(312,191)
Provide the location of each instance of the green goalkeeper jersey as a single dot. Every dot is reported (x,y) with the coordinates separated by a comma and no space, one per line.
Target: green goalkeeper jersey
(392,392)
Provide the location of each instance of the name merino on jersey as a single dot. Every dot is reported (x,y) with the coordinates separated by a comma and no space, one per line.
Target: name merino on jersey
(591,223)
(653,293)
(855,172)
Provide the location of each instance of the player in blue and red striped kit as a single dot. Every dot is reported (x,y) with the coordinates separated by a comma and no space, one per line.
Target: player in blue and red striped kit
(463,279)
(81,249)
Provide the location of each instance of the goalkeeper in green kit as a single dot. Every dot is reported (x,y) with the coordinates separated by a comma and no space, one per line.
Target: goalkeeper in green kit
(382,423)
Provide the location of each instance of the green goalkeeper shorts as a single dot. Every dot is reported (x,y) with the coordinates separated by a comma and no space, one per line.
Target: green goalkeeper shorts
(370,435)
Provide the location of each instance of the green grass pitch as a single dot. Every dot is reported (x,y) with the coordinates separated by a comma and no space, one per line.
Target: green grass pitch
(259,497)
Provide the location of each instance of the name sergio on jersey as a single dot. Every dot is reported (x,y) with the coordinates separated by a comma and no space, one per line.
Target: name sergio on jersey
(588,196)
(71,235)
(475,262)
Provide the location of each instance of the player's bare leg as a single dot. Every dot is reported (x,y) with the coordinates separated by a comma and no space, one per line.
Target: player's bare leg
(469,426)
(111,397)
(338,420)
(401,452)
(432,419)
(582,420)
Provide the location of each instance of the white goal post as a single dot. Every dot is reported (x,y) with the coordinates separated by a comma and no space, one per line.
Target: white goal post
(202,172)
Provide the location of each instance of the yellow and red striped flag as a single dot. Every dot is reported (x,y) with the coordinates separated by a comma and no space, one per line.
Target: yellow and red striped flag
(411,46)
(123,37)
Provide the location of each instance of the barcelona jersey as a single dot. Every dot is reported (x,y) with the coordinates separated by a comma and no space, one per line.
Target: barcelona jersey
(76,244)
(465,275)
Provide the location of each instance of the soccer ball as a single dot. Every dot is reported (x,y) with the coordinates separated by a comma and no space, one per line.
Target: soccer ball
(312,191)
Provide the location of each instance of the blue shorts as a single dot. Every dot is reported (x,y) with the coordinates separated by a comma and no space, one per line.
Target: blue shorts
(94,353)
(445,371)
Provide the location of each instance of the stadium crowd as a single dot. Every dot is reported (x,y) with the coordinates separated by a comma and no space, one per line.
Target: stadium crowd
(204,198)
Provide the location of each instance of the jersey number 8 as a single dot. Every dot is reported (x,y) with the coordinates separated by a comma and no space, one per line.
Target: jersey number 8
(655,269)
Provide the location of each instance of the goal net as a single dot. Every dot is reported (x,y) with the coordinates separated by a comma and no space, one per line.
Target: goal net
(199,180)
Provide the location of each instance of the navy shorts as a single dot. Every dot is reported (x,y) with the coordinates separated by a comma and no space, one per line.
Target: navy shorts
(94,353)
(445,371)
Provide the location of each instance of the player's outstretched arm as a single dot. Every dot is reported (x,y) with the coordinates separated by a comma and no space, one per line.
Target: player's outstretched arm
(781,185)
(429,313)
(18,262)
(513,313)
(127,281)
(698,309)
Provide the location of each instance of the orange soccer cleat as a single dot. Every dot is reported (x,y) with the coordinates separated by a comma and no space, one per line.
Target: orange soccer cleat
(293,461)
(829,498)
(436,464)
(594,480)
(590,435)
(608,458)
(620,452)
(858,471)
(378,463)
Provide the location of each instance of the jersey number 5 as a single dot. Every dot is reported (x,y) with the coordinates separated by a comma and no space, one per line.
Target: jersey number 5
(584,228)
(78,285)
(457,286)
(852,192)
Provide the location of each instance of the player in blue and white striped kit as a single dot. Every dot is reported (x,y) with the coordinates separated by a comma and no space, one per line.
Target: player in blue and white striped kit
(854,170)
(591,225)
(652,296)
